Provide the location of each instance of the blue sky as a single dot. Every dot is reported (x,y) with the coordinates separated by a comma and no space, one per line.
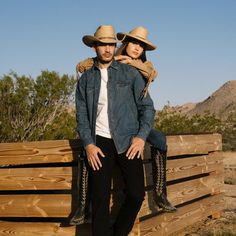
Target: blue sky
(196,40)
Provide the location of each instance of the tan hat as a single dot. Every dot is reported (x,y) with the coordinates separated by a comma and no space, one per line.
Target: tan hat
(103,34)
(140,33)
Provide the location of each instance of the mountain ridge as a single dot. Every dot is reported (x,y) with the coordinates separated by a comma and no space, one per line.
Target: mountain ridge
(222,103)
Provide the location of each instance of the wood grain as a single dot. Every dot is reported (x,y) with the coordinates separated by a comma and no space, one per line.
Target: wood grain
(36,229)
(36,182)
(67,150)
(37,205)
(51,151)
(193,144)
(186,191)
(165,224)
(186,167)
(47,178)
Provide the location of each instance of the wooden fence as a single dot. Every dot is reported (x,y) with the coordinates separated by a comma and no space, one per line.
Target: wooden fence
(38,189)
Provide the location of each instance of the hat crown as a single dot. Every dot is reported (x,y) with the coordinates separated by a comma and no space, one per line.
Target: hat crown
(139,32)
(105,32)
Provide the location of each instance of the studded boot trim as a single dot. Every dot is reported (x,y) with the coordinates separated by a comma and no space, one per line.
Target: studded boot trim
(83,185)
(159,171)
(83,203)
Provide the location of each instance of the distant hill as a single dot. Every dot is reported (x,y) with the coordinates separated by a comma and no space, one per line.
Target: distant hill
(222,102)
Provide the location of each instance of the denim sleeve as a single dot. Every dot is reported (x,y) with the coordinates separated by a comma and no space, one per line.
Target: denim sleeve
(146,111)
(83,124)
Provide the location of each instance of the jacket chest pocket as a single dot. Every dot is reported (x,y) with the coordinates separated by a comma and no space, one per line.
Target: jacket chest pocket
(124,91)
(123,84)
(90,89)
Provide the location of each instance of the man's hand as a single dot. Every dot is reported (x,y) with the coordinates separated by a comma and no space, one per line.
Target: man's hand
(135,148)
(93,152)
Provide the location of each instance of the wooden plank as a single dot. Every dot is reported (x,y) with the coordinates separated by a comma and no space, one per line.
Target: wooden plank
(54,178)
(186,167)
(59,205)
(51,205)
(67,150)
(165,224)
(60,177)
(193,189)
(38,205)
(136,228)
(35,229)
(193,144)
(186,191)
(39,152)
(51,229)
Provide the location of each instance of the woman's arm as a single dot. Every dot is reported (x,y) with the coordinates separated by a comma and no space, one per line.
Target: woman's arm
(145,68)
(84,65)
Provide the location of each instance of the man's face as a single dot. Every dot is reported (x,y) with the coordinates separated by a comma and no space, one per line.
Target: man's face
(105,52)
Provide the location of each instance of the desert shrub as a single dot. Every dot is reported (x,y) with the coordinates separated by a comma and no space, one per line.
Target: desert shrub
(36,109)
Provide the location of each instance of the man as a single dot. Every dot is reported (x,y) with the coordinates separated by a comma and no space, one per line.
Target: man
(113,122)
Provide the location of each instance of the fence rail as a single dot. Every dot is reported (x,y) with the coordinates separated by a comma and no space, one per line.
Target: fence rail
(38,186)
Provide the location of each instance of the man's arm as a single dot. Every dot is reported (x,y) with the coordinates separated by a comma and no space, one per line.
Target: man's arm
(83,124)
(83,127)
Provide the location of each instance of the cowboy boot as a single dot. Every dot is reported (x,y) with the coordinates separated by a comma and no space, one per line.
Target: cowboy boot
(159,180)
(81,213)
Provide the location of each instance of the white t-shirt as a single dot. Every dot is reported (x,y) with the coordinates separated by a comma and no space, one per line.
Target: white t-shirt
(102,123)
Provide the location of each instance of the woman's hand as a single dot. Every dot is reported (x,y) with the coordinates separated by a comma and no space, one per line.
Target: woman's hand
(123,59)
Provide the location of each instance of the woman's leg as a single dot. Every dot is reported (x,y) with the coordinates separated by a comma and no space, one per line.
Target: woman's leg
(157,139)
(158,153)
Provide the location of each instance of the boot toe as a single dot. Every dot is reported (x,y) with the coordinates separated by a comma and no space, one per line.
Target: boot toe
(162,202)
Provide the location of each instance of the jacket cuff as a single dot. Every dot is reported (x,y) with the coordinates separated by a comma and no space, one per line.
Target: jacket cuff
(87,141)
(142,136)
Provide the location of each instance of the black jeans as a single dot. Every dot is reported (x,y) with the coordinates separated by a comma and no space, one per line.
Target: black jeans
(132,171)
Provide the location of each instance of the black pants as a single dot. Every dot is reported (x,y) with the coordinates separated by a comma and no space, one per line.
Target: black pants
(132,171)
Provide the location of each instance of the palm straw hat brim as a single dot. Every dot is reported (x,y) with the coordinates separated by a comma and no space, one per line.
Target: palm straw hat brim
(140,34)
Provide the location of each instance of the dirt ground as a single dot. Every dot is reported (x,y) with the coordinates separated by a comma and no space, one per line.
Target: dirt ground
(225,225)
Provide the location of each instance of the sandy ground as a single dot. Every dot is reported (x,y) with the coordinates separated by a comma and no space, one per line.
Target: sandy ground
(225,225)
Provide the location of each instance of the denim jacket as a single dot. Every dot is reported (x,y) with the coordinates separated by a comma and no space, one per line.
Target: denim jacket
(129,114)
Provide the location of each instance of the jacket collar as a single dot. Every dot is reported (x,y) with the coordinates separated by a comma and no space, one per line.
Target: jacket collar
(113,65)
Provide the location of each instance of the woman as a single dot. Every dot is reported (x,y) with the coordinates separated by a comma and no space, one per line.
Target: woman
(133,52)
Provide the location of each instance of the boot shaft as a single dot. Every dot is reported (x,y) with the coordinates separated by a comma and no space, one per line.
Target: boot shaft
(159,170)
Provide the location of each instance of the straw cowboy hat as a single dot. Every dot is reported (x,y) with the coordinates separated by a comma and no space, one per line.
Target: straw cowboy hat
(140,33)
(103,34)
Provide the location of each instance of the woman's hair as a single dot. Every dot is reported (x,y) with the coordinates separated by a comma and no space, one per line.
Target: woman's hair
(122,49)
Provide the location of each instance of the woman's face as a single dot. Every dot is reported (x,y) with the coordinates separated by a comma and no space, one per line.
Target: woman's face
(134,49)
